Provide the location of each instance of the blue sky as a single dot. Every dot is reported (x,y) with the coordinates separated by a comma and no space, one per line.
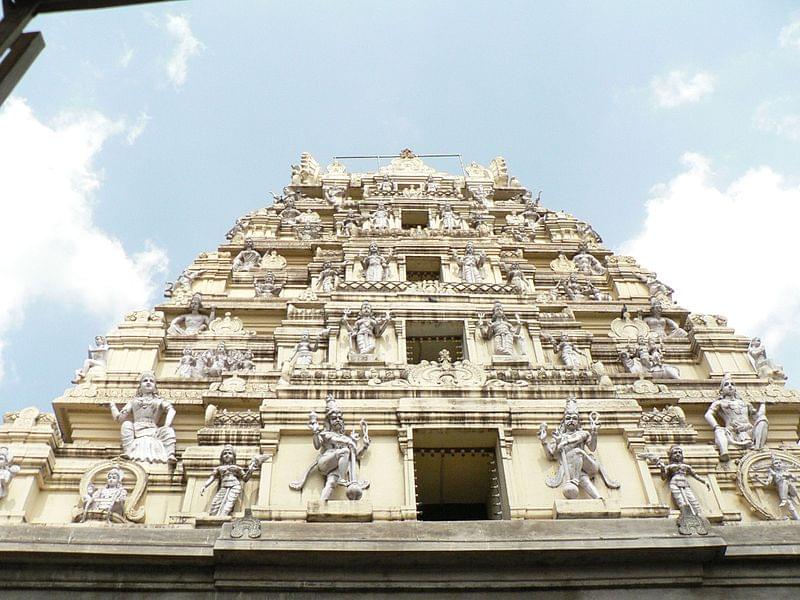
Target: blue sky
(663,124)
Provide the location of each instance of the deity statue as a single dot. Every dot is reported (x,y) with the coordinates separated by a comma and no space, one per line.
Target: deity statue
(351,222)
(267,288)
(289,212)
(449,219)
(660,325)
(431,186)
(532,213)
(470,264)
(677,474)
(334,194)
(567,351)
(248,259)
(107,502)
(587,233)
(381,217)
(303,354)
(783,480)
(339,453)
(764,366)
(586,263)
(481,195)
(479,221)
(194,321)
(385,185)
(655,288)
(742,425)
(142,437)
(231,478)
(97,357)
(572,446)
(328,277)
(501,331)
(646,357)
(239,227)
(376,267)
(273,260)
(8,470)
(366,329)
(515,277)
(308,217)
(182,283)
(187,366)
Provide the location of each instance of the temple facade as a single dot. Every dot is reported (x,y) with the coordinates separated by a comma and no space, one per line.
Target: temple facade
(412,382)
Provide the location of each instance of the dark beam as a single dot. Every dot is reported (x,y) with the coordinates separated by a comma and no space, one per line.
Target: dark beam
(22,54)
(46,6)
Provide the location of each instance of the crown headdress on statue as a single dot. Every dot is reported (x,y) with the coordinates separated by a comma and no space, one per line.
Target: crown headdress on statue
(571,407)
(331,406)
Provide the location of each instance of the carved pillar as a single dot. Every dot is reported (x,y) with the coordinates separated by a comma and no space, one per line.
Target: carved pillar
(405,438)
(269,446)
(400,334)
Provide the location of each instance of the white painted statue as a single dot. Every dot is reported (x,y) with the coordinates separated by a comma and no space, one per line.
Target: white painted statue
(97,357)
(736,422)
(230,478)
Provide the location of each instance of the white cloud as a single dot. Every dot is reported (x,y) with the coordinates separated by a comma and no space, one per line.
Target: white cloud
(187,46)
(727,251)
(678,87)
(134,131)
(126,57)
(51,247)
(772,116)
(789,36)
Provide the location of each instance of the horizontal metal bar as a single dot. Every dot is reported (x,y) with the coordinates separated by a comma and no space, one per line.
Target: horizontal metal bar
(399,155)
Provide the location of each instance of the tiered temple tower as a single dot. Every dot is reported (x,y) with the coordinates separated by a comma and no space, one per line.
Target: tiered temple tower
(408,345)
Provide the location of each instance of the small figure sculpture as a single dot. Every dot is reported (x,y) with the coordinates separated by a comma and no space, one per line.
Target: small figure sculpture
(182,283)
(107,502)
(97,356)
(660,325)
(480,222)
(194,321)
(481,195)
(334,194)
(470,264)
(587,233)
(677,474)
(8,470)
(586,263)
(339,453)
(239,227)
(289,213)
(646,357)
(532,214)
(366,330)
(501,331)
(273,260)
(572,447)
(779,477)
(431,187)
(655,288)
(248,259)
(449,220)
(742,425)
(267,288)
(385,185)
(515,277)
(142,437)
(376,267)
(381,218)
(308,217)
(567,351)
(231,478)
(303,354)
(328,277)
(351,222)
(764,366)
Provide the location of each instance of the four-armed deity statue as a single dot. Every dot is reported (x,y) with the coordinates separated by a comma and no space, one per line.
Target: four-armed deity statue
(736,422)
(502,332)
(365,331)
(376,267)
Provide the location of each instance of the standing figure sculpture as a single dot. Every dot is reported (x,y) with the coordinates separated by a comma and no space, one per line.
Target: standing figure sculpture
(328,278)
(736,422)
(381,218)
(248,259)
(501,331)
(339,453)
(764,366)
(108,502)
(572,446)
(365,331)
(448,219)
(470,264)
(779,477)
(97,356)
(8,470)
(376,267)
(142,437)
(351,223)
(677,474)
(515,277)
(194,321)
(231,479)
(659,324)
(586,263)
(303,354)
(567,351)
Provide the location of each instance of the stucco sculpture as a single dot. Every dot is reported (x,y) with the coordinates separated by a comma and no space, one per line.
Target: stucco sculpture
(97,358)
(783,481)
(376,267)
(500,331)
(586,263)
(659,324)
(763,365)
(8,470)
(365,330)
(328,277)
(470,264)
(267,287)
(230,479)
(736,422)
(194,321)
(107,502)
(248,259)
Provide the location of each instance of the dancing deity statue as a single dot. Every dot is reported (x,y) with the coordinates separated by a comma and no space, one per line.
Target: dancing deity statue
(764,366)
(231,479)
(586,263)
(659,324)
(381,218)
(328,277)
(501,331)
(449,219)
(339,453)
(376,267)
(107,502)
(572,446)
(470,264)
(8,470)
(366,330)
(194,321)
(677,474)
(248,259)
(97,357)
(736,422)
(142,437)
(783,480)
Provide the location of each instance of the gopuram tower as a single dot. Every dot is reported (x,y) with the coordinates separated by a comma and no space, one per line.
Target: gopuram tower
(415,382)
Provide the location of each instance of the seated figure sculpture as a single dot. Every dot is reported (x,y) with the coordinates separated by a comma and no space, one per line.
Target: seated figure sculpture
(339,453)
(572,446)
(763,365)
(586,263)
(736,422)
(248,259)
(97,356)
(501,331)
(659,324)
(108,502)
(194,321)
(143,439)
